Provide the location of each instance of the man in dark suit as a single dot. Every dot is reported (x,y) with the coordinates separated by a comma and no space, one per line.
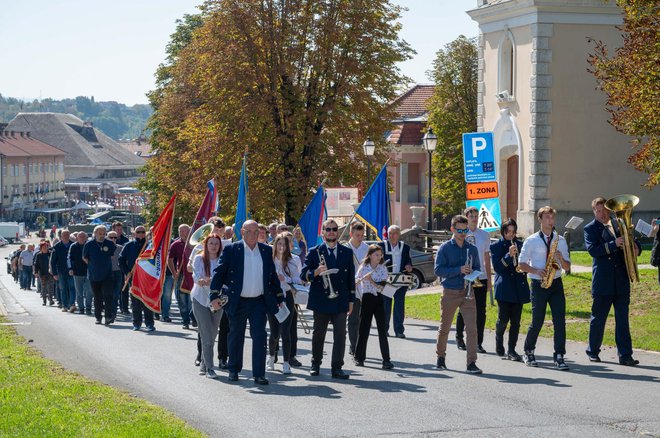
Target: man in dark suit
(397,260)
(330,310)
(247,271)
(610,284)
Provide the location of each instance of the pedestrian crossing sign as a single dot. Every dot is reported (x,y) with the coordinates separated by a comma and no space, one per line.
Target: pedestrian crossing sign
(490,217)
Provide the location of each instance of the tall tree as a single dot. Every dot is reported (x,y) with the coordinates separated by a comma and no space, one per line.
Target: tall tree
(631,80)
(298,83)
(452,111)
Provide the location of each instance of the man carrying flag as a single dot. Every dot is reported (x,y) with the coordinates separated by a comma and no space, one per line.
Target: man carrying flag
(242,206)
(374,210)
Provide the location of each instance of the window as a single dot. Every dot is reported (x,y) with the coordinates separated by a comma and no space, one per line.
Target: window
(23,168)
(506,71)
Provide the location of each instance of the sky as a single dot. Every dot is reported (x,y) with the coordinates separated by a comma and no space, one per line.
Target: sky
(110,49)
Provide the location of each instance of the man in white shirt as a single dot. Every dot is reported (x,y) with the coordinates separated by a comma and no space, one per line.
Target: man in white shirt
(397,258)
(480,239)
(25,261)
(533,259)
(356,243)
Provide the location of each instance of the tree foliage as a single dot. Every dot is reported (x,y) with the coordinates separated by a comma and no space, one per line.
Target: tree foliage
(299,84)
(631,80)
(452,111)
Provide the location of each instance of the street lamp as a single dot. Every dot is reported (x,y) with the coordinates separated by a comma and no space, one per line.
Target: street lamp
(369,148)
(430,142)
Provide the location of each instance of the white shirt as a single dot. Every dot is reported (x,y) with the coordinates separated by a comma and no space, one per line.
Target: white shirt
(292,277)
(534,252)
(395,252)
(359,254)
(482,242)
(379,274)
(201,293)
(253,272)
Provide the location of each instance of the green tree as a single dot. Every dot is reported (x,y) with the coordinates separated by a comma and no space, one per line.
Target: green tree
(452,111)
(298,83)
(631,80)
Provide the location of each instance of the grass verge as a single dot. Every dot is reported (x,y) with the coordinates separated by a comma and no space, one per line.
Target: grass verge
(38,398)
(583,258)
(644,311)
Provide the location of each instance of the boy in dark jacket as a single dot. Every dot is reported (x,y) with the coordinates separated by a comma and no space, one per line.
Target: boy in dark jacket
(41,269)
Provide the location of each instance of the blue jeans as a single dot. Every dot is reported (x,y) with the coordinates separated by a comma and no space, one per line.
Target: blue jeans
(67,289)
(166,296)
(117,277)
(26,277)
(399,310)
(83,292)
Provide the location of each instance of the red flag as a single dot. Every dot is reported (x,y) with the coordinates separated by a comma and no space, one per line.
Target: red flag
(203,214)
(151,265)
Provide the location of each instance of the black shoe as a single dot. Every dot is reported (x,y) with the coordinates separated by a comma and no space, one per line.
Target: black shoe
(339,374)
(186,327)
(440,364)
(358,363)
(499,349)
(473,369)
(400,336)
(233,377)
(88,312)
(98,321)
(315,370)
(512,355)
(628,361)
(460,344)
(294,362)
(387,365)
(530,359)
(593,357)
(43,304)
(157,316)
(351,351)
(261,381)
(167,319)
(198,361)
(222,364)
(559,363)
(276,357)
(481,349)
(108,321)
(194,324)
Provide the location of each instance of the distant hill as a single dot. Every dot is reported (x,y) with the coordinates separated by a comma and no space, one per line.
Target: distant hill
(114,119)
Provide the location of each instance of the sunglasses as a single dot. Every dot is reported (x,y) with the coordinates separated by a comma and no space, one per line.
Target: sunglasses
(140,232)
(332,230)
(462,230)
(113,238)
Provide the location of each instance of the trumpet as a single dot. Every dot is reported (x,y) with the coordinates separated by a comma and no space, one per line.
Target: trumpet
(327,281)
(467,283)
(473,241)
(515,257)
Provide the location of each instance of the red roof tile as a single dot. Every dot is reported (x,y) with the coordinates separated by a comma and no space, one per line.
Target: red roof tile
(22,145)
(414,102)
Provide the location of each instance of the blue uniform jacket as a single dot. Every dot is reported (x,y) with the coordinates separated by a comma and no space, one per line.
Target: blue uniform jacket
(343,281)
(229,275)
(510,286)
(387,255)
(609,275)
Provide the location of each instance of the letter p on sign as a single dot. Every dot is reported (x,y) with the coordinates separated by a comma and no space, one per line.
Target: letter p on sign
(478,144)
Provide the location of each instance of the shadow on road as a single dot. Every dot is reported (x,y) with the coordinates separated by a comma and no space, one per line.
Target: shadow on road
(604,372)
(520,380)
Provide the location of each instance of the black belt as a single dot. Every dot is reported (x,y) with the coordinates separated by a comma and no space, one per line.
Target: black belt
(252,298)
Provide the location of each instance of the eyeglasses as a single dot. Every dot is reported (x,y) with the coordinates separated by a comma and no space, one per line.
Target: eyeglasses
(461,230)
(140,232)
(331,230)
(113,238)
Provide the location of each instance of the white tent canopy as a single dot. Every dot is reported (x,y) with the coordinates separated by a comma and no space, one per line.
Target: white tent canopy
(82,206)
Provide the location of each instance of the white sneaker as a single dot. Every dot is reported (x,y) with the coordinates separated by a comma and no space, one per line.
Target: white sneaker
(286,368)
(270,363)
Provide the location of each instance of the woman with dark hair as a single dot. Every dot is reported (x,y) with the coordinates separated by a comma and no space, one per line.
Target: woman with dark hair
(372,275)
(208,321)
(288,271)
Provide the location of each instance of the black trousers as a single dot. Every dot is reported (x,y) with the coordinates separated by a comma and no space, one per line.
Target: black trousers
(321,321)
(480,295)
(294,332)
(103,293)
(223,337)
(554,296)
(372,307)
(138,308)
(281,329)
(508,312)
(354,324)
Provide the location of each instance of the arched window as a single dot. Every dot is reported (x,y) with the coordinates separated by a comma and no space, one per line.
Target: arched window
(507,65)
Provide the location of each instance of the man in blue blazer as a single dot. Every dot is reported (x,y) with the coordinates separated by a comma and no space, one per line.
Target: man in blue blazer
(247,272)
(330,310)
(397,260)
(511,288)
(610,284)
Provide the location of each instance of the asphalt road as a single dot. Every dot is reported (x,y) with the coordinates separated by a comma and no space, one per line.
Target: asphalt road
(414,399)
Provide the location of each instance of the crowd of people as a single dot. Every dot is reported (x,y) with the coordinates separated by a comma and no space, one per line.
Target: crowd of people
(224,283)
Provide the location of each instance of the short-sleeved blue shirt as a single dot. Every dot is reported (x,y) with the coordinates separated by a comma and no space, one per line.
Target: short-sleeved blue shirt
(99,255)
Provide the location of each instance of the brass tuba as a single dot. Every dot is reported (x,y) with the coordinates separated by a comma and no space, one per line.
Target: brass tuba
(622,206)
(200,234)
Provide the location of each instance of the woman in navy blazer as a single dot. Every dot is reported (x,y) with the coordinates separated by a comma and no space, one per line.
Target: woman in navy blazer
(511,288)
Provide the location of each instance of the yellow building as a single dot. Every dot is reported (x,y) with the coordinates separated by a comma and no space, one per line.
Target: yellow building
(553,145)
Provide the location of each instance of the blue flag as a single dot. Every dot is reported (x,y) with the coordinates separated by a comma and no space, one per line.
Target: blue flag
(312,219)
(242,206)
(374,210)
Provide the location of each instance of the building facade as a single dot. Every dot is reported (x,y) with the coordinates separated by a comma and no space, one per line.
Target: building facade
(553,144)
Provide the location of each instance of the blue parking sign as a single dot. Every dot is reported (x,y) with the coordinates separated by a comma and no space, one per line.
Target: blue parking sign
(490,217)
(479,157)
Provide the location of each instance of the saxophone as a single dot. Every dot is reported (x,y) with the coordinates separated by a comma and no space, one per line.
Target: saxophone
(551,265)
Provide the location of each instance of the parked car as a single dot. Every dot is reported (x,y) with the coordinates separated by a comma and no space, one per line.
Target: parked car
(3,242)
(423,267)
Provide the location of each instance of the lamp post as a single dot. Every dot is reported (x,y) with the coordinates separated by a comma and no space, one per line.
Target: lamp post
(430,142)
(369,148)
